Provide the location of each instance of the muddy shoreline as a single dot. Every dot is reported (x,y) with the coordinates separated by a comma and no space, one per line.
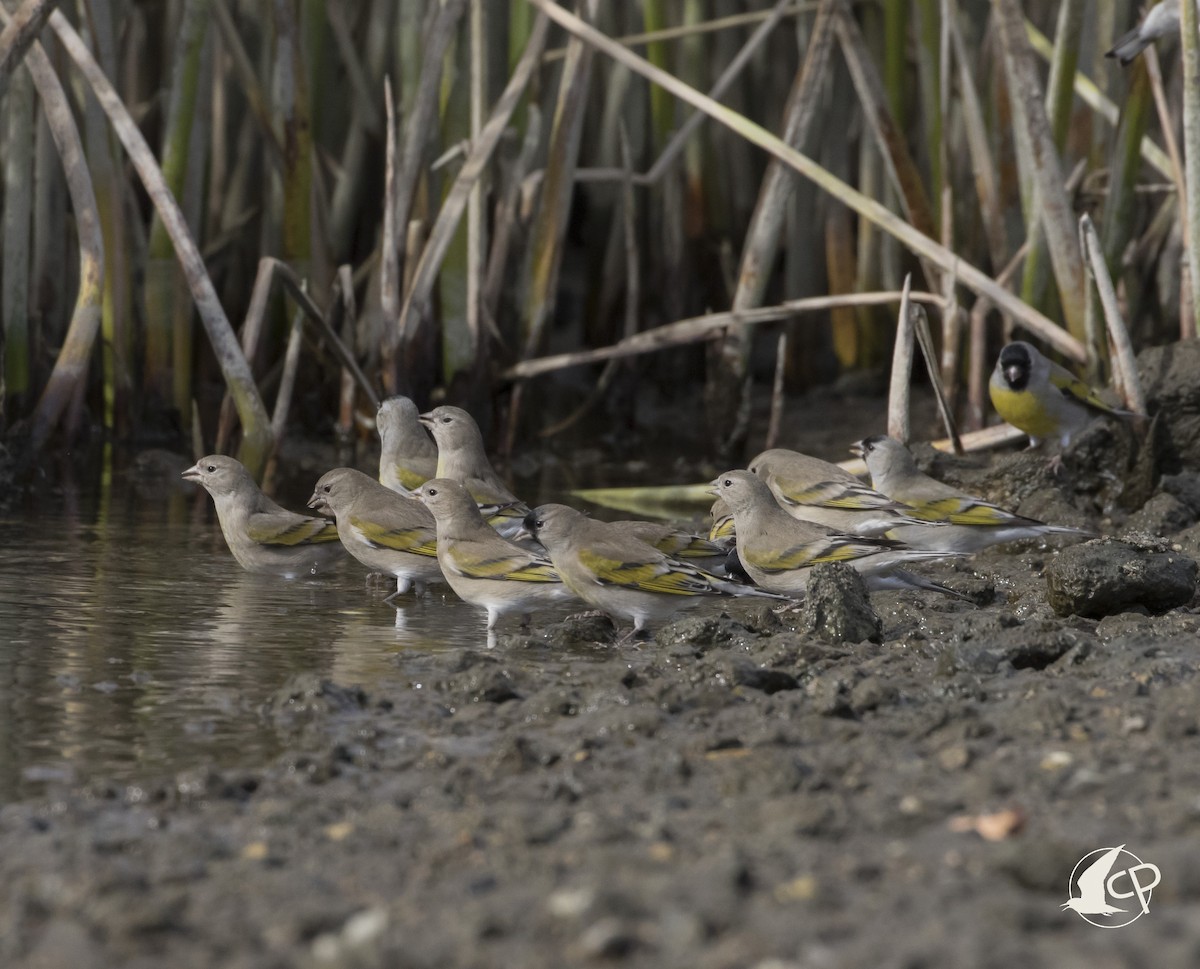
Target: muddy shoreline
(733,793)
(740,791)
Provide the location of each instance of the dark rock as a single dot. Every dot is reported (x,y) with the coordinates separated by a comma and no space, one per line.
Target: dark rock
(1188,541)
(307,697)
(702,631)
(1164,514)
(760,678)
(1034,645)
(1168,377)
(837,608)
(1185,486)
(580,630)
(1105,577)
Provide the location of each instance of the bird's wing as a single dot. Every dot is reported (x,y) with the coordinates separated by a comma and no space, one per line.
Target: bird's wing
(679,544)
(965,510)
(845,495)
(835,548)
(1075,389)
(1091,882)
(479,560)
(489,493)
(408,477)
(268,528)
(415,539)
(722,529)
(644,573)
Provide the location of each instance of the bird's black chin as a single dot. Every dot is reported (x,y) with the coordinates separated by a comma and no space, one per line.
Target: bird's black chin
(1016,376)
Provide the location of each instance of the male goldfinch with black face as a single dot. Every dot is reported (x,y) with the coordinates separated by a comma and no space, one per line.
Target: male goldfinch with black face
(1037,396)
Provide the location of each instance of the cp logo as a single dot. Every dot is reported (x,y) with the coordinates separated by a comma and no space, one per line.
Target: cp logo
(1107,875)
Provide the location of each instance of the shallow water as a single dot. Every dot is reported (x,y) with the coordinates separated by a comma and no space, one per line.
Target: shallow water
(133,646)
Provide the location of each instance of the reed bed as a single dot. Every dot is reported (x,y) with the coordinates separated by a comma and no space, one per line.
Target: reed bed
(207,203)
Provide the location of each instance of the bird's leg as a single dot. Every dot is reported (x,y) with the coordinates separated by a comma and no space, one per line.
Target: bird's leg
(402,586)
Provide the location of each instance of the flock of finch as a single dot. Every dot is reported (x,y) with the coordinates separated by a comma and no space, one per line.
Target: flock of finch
(440,513)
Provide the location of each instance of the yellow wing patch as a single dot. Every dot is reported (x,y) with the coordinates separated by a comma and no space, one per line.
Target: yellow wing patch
(417,541)
(812,553)
(268,530)
(410,479)
(836,494)
(963,511)
(1076,389)
(645,576)
(721,529)
(509,568)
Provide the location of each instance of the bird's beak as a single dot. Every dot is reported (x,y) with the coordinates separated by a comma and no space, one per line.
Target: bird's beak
(193,473)
(713,489)
(1012,374)
(426,419)
(857,449)
(318,502)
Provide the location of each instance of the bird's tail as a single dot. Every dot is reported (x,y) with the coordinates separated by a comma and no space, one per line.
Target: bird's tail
(1129,46)
(895,579)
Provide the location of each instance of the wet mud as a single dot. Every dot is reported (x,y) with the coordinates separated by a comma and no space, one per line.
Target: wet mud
(905,780)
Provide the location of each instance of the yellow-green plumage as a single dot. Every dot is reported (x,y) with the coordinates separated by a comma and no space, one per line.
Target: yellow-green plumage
(262,536)
(778,550)
(483,567)
(962,522)
(385,531)
(612,569)
(415,541)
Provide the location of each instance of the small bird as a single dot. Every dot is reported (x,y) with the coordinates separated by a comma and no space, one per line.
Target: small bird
(461,456)
(618,573)
(385,531)
(1093,898)
(408,456)
(816,491)
(262,536)
(1037,396)
(482,567)
(777,550)
(974,523)
(1162,20)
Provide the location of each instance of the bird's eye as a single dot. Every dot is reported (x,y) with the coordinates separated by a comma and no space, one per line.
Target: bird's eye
(727,483)
(211,468)
(447,420)
(431,492)
(327,489)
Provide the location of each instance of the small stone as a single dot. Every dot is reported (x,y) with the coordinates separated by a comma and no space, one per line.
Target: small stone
(1104,577)
(1056,760)
(762,678)
(837,608)
(608,938)
(955,757)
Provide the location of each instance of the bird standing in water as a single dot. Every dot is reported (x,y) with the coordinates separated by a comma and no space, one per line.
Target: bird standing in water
(264,537)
